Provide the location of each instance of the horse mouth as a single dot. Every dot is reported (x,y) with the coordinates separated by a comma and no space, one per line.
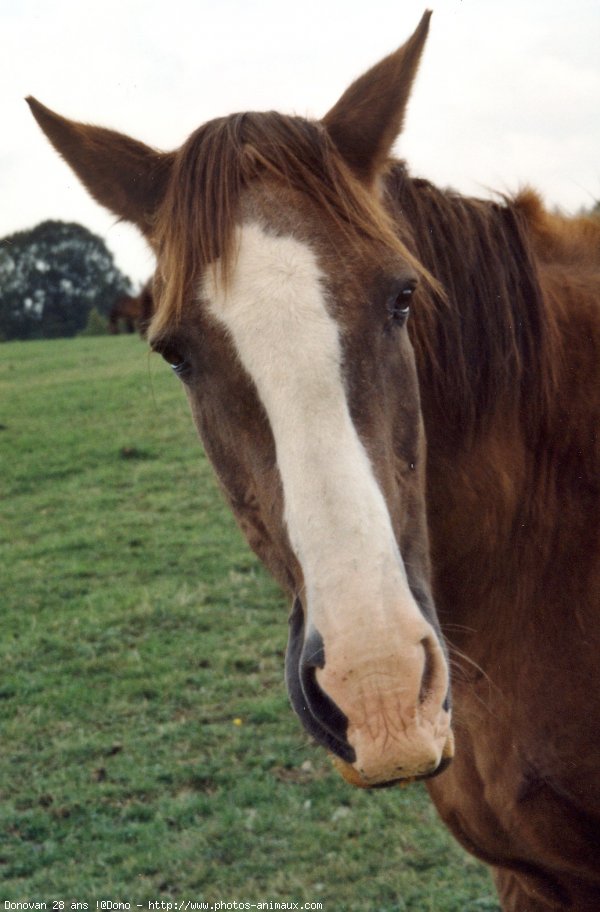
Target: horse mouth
(353,777)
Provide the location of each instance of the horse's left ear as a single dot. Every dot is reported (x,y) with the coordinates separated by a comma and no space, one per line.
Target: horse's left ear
(126,176)
(368,117)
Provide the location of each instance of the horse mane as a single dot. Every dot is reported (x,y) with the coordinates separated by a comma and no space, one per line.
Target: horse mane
(492,340)
(559,239)
(195,226)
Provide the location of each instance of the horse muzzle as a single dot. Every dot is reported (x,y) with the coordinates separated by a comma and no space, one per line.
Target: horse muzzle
(382,709)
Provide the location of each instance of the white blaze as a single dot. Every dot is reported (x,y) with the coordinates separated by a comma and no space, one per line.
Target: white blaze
(357,594)
(338,523)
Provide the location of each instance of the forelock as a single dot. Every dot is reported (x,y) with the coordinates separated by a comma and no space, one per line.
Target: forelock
(195,225)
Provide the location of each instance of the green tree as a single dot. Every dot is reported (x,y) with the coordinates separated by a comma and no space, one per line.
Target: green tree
(50,279)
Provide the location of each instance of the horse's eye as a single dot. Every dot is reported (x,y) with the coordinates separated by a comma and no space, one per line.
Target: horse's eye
(176,361)
(399,303)
(179,367)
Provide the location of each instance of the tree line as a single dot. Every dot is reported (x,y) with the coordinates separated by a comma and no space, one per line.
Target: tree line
(56,279)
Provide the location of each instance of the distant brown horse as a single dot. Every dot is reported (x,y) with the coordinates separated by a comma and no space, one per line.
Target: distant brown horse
(290,253)
(135,313)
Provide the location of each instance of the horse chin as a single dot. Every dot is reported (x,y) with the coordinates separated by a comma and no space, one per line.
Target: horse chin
(352,776)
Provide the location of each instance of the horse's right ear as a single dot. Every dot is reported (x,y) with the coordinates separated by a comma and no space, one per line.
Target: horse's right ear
(126,176)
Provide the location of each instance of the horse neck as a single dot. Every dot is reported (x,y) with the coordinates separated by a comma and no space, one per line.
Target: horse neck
(504,415)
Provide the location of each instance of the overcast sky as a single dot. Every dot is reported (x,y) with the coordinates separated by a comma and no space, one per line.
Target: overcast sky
(508,91)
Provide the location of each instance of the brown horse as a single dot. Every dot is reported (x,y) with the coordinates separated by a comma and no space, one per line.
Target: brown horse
(290,253)
(135,312)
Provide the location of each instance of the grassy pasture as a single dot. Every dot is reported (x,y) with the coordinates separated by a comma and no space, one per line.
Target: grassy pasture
(147,748)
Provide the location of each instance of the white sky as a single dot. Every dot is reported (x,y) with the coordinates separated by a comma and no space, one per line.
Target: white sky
(508,92)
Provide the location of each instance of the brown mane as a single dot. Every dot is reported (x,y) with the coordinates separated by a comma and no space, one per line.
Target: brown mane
(494,339)
(195,225)
(559,239)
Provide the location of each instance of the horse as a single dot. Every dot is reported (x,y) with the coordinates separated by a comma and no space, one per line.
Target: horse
(135,312)
(397,387)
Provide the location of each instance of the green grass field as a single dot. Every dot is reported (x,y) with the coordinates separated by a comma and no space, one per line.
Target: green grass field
(148,751)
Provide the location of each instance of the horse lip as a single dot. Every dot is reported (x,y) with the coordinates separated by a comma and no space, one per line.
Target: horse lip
(353,777)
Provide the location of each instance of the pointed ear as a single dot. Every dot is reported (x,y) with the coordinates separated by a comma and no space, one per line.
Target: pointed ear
(122,174)
(368,117)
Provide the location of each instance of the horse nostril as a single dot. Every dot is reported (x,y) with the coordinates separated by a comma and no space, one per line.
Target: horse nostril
(324,710)
(313,653)
(321,717)
(428,670)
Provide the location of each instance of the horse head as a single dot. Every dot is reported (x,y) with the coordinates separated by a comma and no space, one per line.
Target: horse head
(282,296)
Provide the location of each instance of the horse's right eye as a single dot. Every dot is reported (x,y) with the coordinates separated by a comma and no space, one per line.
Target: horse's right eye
(178,363)
(178,367)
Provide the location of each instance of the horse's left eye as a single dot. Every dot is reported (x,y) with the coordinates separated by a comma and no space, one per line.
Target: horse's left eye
(399,303)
